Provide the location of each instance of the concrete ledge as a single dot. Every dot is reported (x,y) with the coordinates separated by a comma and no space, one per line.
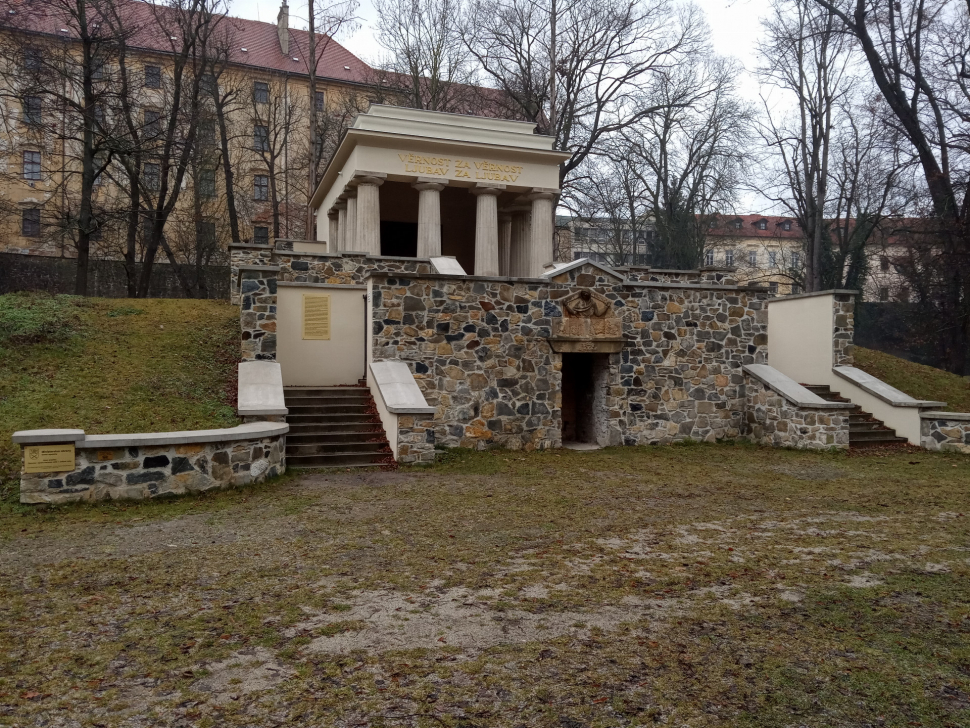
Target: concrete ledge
(305,284)
(260,389)
(45,437)
(834,291)
(267,268)
(247,431)
(398,389)
(878,388)
(790,389)
(955,416)
(448,265)
(249,246)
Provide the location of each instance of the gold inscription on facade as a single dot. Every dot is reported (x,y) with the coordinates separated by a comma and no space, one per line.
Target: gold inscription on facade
(48,458)
(484,169)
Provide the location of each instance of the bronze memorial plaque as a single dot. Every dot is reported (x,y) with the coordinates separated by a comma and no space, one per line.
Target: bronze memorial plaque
(48,458)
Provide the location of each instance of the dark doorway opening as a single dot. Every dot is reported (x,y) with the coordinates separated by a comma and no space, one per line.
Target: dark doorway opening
(399,238)
(585,378)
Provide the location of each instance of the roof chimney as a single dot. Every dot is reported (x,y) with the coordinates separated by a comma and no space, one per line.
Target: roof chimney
(283,28)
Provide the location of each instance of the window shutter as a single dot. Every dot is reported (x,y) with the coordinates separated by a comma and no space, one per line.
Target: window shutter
(316,317)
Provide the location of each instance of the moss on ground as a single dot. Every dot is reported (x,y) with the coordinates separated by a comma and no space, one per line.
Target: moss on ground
(106,365)
(916,380)
(705,585)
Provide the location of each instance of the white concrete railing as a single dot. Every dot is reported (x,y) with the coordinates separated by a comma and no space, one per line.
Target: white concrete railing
(260,389)
(395,393)
(789,388)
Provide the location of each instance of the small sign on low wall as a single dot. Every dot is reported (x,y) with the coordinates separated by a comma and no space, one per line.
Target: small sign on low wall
(49,458)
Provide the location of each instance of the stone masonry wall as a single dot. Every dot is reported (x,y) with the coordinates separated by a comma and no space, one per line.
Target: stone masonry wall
(479,351)
(245,254)
(157,471)
(416,439)
(943,433)
(719,276)
(770,419)
(843,331)
(257,315)
(337,268)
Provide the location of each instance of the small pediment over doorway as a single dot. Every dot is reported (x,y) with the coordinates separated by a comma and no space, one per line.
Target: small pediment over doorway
(583,272)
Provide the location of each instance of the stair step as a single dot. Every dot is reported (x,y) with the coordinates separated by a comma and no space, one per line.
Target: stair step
(875,435)
(311,429)
(331,448)
(864,429)
(337,459)
(299,419)
(310,438)
(326,392)
(329,409)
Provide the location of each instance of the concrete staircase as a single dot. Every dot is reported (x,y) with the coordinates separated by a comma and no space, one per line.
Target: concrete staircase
(864,429)
(334,427)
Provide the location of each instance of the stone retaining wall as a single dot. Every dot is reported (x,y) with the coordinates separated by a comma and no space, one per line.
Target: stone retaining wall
(257,316)
(770,419)
(416,438)
(341,268)
(843,329)
(945,431)
(103,473)
(241,254)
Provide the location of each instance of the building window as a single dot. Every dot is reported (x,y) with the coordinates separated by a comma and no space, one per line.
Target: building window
(320,100)
(773,288)
(206,233)
(33,59)
(152,175)
(207,182)
(30,223)
(752,257)
(786,225)
(207,83)
(97,69)
(261,92)
(32,165)
(147,224)
(207,132)
(709,257)
(153,123)
(261,235)
(883,294)
(796,260)
(261,138)
(737,224)
(762,224)
(795,288)
(729,258)
(772,258)
(153,76)
(99,115)
(260,187)
(32,110)
(883,263)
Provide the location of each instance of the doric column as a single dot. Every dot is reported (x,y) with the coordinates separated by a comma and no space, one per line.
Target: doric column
(504,242)
(341,208)
(350,237)
(519,242)
(486,229)
(429,217)
(334,233)
(368,238)
(540,248)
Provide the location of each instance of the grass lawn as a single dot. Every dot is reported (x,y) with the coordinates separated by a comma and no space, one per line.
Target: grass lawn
(112,365)
(703,585)
(916,380)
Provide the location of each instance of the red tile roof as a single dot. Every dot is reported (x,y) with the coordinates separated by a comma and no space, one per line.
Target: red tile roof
(260,40)
(724,227)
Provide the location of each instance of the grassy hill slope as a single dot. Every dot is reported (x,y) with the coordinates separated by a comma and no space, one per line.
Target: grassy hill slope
(113,366)
(916,380)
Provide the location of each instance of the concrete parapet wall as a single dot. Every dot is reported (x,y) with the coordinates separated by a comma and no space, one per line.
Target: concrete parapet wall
(771,419)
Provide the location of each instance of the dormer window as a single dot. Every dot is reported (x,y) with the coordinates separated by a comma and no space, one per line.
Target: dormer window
(762,224)
(737,224)
(786,225)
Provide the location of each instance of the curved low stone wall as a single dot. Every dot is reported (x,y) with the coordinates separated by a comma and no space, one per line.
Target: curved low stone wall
(154,465)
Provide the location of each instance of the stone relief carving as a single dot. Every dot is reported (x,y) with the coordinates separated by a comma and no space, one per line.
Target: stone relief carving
(590,325)
(587,304)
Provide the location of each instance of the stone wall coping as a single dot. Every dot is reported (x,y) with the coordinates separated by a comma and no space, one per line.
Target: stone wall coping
(43,437)
(790,389)
(246,431)
(439,276)
(249,246)
(268,268)
(305,284)
(699,286)
(955,416)
(878,388)
(832,292)
(448,265)
(260,390)
(302,254)
(556,269)
(398,389)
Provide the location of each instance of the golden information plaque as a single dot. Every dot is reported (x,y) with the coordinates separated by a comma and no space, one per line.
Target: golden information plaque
(48,458)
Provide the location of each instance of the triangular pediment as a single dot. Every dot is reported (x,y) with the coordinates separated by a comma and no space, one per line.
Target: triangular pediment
(569,272)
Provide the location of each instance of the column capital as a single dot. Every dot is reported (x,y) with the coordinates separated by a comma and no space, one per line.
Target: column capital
(542,193)
(339,205)
(429,183)
(333,213)
(368,180)
(487,189)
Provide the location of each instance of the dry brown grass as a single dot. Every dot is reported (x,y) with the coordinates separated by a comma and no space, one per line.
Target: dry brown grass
(694,585)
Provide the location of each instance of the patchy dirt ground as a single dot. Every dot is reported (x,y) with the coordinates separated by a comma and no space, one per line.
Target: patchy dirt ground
(687,586)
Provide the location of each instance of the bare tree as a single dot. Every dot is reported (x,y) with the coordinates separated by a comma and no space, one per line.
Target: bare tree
(607,55)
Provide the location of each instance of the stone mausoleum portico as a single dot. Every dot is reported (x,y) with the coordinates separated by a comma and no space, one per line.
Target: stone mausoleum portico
(421,184)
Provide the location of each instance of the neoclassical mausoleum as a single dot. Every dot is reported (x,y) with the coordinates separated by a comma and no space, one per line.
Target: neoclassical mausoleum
(429,313)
